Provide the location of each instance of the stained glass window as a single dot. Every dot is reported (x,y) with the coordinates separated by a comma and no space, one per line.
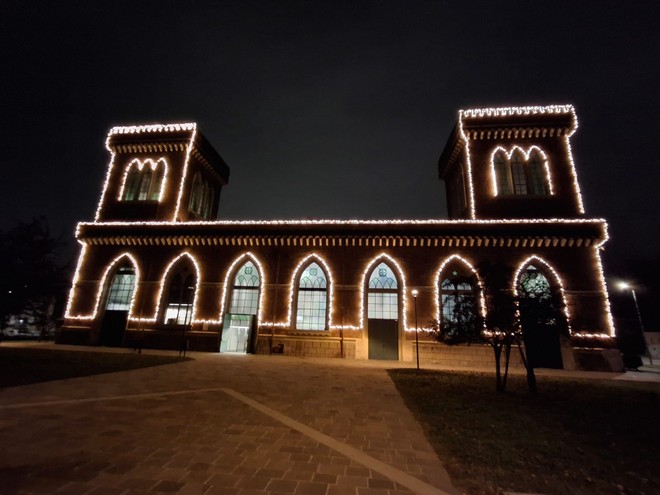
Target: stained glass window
(121,290)
(534,284)
(382,295)
(312,299)
(245,291)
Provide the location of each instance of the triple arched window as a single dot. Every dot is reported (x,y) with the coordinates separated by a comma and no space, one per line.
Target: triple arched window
(144,180)
(312,300)
(201,197)
(521,173)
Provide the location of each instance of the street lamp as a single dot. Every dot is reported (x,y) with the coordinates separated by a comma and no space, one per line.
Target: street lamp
(414,294)
(626,286)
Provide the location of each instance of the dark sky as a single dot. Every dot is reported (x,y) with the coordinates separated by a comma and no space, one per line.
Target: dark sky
(326,109)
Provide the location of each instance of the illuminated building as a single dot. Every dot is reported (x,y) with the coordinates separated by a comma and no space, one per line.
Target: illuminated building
(156,268)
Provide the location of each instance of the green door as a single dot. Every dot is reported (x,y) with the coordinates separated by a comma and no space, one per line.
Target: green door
(383,339)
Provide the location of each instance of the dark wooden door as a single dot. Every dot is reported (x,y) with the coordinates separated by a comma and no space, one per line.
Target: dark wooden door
(383,339)
(543,346)
(112,328)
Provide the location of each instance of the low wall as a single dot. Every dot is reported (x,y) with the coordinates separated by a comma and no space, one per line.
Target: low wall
(305,346)
(462,356)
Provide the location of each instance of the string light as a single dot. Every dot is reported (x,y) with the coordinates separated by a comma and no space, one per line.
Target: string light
(101,286)
(530,260)
(185,171)
(153,164)
(228,283)
(159,297)
(74,282)
(526,154)
(285,222)
(437,283)
(144,129)
(513,111)
(606,299)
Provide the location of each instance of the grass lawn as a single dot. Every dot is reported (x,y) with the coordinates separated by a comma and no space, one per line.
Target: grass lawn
(574,437)
(24,365)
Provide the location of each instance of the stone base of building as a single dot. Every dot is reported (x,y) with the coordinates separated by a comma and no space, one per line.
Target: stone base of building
(302,346)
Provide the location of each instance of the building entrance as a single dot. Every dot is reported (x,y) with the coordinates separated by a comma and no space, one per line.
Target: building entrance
(236,334)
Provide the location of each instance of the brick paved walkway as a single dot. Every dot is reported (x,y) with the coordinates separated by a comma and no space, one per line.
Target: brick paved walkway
(221,424)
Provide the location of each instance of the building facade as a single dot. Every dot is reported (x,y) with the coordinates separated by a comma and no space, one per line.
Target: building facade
(157,269)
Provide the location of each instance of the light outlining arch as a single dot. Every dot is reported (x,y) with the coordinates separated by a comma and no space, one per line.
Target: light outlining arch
(161,289)
(101,287)
(235,265)
(455,258)
(140,165)
(526,154)
(369,267)
(293,286)
(557,279)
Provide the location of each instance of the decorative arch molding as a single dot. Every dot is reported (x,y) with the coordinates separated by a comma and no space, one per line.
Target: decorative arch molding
(364,282)
(140,164)
(228,285)
(526,154)
(110,268)
(293,287)
(161,287)
(455,258)
(546,269)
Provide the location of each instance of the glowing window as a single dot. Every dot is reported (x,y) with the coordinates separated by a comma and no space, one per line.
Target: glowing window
(121,290)
(180,298)
(521,173)
(518,174)
(245,291)
(312,299)
(534,285)
(383,295)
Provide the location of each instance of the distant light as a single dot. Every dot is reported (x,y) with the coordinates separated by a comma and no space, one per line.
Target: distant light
(623,285)
(415,292)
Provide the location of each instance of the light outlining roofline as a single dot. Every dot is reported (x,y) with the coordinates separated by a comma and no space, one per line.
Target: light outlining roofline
(526,154)
(101,286)
(455,258)
(152,128)
(519,111)
(140,165)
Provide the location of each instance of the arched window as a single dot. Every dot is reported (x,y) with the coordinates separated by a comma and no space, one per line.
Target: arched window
(537,178)
(180,297)
(518,173)
(201,197)
(132,182)
(312,299)
(121,290)
(502,173)
(245,291)
(383,294)
(458,299)
(542,317)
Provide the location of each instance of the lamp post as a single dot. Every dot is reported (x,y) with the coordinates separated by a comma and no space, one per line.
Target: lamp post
(414,294)
(627,286)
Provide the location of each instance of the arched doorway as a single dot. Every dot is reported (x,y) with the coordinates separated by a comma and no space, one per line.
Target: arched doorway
(240,321)
(541,317)
(117,307)
(459,317)
(383,313)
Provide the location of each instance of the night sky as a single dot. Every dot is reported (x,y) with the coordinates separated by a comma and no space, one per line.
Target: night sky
(326,109)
